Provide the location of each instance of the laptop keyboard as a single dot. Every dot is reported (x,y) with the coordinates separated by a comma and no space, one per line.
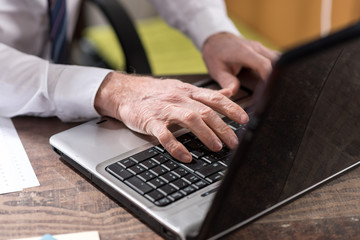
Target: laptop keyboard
(161,179)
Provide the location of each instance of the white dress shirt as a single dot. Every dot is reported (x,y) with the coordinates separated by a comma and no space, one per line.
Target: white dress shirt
(31,85)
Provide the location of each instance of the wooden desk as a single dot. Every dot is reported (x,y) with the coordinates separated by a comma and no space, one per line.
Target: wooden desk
(65,202)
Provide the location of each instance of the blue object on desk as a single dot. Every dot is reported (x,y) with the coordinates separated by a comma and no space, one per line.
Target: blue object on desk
(47,237)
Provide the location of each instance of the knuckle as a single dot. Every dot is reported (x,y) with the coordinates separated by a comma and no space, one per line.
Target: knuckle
(206,112)
(265,65)
(164,136)
(256,45)
(168,108)
(174,147)
(185,86)
(232,107)
(215,97)
(224,129)
(190,116)
(172,97)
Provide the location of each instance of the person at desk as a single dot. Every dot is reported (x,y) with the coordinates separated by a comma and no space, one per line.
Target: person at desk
(32,83)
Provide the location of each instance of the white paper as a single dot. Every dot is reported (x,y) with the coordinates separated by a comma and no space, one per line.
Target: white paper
(16,172)
(93,235)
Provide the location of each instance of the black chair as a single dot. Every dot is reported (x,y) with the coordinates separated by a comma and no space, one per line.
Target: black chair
(129,40)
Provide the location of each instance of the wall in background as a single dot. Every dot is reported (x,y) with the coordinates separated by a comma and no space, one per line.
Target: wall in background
(290,22)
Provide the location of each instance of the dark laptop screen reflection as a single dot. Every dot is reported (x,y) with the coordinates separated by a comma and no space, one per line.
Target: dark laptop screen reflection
(309,132)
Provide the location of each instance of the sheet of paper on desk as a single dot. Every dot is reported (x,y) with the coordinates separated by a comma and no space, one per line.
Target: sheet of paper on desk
(92,235)
(16,172)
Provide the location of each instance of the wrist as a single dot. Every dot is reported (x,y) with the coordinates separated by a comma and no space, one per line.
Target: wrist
(216,38)
(104,103)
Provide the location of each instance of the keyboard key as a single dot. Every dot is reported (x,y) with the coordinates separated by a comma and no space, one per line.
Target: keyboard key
(157,182)
(119,172)
(146,154)
(191,178)
(160,148)
(160,159)
(163,202)
(227,120)
(167,189)
(136,169)
(211,158)
(159,170)
(200,152)
(146,176)
(226,161)
(169,177)
(188,190)
(215,177)
(149,163)
(170,165)
(179,184)
(225,151)
(210,169)
(240,132)
(138,185)
(195,165)
(200,184)
(154,195)
(180,171)
(185,138)
(193,144)
(197,154)
(127,162)
(176,196)
(235,126)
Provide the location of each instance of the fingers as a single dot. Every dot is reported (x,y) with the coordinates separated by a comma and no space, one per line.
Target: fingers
(220,104)
(200,119)
(220,128)
(226,54)
(169,142)
(229,82)
(208,127)
(266,52)
(259,63)
(151,106)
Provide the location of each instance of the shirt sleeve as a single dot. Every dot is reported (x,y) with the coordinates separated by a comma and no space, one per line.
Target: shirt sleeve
(32,86)
(198,19)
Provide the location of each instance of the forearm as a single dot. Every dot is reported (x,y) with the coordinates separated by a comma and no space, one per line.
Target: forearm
(33,86)
(197,19)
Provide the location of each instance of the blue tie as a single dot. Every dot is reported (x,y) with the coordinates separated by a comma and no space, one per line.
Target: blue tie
(57,13)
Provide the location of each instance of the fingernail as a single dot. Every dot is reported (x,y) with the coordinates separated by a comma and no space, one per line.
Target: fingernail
(244,118)
(234,141)
(217,146)
(186,158)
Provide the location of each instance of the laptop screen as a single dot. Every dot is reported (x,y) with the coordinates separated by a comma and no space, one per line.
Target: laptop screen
(305,129)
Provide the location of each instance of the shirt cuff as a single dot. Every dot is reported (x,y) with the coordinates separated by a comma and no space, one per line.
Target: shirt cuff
(75,91)
(208,22)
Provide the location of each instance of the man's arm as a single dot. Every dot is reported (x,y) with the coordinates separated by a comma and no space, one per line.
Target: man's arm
(197,19)
(224,50)
(33,86)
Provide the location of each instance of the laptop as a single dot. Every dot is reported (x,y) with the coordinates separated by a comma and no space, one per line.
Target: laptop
(303,131)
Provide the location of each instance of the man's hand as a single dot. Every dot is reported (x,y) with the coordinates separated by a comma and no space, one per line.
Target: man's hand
(150,106)
(225,54)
